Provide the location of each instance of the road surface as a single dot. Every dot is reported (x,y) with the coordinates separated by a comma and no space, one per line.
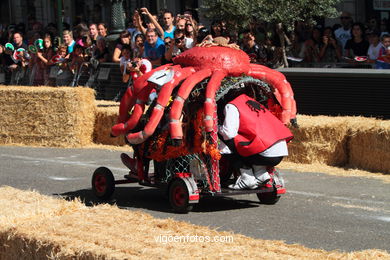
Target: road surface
(318,211)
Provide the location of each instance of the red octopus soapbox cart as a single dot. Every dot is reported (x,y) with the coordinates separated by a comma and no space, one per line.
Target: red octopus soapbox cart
(192,167)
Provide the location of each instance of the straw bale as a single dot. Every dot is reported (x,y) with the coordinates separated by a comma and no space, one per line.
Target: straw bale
(106,117)
(41,227)
(319,139)
(369,146)
(46,116)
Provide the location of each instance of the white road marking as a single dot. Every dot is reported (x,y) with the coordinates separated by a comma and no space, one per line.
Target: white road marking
(311,194)
(59,178)
(64,162)
(384,218)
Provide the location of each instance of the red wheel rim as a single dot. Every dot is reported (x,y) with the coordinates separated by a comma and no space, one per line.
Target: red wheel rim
(100,183)
(179,195)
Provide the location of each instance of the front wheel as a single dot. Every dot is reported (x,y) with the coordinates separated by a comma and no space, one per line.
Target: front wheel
(268,198)
(179,197)
(103,183)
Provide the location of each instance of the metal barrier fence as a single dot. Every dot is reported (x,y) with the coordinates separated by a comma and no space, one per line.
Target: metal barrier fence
(105,78)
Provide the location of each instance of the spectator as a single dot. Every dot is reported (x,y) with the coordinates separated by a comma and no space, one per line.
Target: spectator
(154,47)
(45,56)
(343,34)
(68,41)
(132,66)
(383,62)
(276,42)
(79,31)
(375,46)
(297,48)
(386,44)
(202,35)
(257,53)
(102,29)
(176,46)
(330,51)
(93,32)
(139,45)
(77,58)
(190,33)
(372,25)
(358,45)
(169,28)
(124,60)
(17,43)
(124,39)
(101,51)
(133,29)
(312,46)
(216,29)
(149,20)
(181,22)
(64,76)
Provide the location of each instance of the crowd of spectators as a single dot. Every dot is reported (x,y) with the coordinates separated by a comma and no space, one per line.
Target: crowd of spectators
(152,40)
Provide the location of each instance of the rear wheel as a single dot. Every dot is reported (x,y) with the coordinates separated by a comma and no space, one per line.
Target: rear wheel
(103,183)
(179,197)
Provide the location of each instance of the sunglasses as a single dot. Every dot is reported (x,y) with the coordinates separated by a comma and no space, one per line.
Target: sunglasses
(177,40)
(188,24)
(168,43)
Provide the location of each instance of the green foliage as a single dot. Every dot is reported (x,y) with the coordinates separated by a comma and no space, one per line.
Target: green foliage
(243,12)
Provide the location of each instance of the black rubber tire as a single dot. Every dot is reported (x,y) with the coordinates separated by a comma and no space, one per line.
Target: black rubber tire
(179,197)
(268,198)
(103,183)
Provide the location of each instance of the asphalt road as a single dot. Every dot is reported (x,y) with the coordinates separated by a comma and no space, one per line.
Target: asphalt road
(318,211)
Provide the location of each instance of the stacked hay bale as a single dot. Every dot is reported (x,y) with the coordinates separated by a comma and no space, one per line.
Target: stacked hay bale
(320,139)
(106,117)
(46,116)
(369,145)
(34,226)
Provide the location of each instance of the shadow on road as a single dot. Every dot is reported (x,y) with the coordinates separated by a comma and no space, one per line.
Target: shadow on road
(156,200)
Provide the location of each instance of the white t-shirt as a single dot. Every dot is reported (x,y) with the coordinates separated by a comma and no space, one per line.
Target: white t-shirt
(373,51)
(229,130)
(342,36)
(189,43)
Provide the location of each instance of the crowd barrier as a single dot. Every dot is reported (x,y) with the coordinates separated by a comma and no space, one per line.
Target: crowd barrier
(104,78)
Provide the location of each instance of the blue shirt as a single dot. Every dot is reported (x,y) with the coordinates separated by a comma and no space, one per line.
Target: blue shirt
(170,34)
(70,47)
(154,52)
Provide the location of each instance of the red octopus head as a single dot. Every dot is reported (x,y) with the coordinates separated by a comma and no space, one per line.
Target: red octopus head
(235,62)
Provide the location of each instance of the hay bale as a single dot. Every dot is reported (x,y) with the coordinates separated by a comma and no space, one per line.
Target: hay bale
(46,116)
(41,227)
(106,117)
(319,139)
(369,145)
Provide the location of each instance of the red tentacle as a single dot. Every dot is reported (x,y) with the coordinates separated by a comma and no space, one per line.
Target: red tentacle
(158,111)
(139,107)
(185,89)
(277,80)
(129,98)
(209,104)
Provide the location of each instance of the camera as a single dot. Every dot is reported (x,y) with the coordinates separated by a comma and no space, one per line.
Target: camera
(134,64)
(144,17)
